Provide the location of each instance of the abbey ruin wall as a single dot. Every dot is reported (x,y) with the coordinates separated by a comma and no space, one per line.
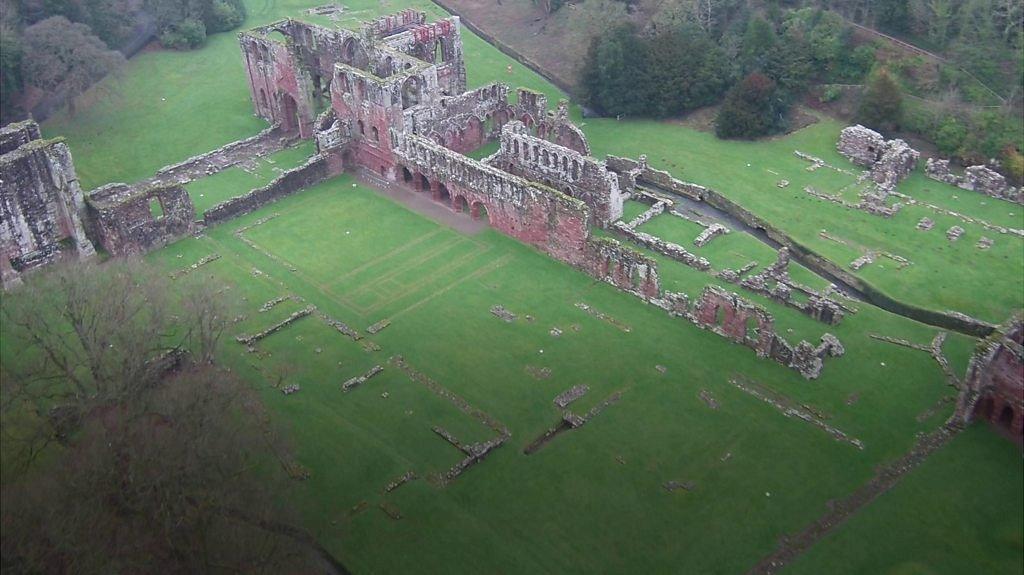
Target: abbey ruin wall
(40,202)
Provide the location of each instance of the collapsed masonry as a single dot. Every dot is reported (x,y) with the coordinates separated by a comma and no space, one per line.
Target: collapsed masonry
(889,162)
(994,387)
(981,179)
(41,203)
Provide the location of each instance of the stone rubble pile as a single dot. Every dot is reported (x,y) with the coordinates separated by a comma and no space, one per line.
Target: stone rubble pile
(572,394)
(378,326)
(979,178)
(202,262)
(500,312)
(711,232)
(250,340)
(361,379)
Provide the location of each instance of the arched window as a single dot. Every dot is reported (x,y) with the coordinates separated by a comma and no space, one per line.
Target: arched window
(410,93)
(376,134)
(362,128)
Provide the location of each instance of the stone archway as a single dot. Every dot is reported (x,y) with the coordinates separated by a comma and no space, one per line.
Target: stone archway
(477,210)
(289,112)
(1006,416)
(459,204)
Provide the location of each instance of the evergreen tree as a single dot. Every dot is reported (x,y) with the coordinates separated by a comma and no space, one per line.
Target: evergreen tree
(759,44)
(752,108)
(881,106)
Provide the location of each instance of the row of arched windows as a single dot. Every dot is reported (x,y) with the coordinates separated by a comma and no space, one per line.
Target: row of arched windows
(547,158)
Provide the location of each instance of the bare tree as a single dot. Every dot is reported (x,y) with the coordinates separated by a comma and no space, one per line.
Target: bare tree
(164,464)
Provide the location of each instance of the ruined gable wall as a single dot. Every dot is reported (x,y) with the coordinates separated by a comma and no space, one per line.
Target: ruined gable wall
(580,176)
(281,89)
(40,203)
(439,43)
(124,223)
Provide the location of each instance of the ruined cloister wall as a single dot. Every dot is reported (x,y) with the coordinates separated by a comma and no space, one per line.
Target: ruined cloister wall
(40,202)
(542,217)
(575,174)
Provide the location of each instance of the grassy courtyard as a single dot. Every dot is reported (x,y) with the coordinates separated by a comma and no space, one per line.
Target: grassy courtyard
(592,499)
(360,258)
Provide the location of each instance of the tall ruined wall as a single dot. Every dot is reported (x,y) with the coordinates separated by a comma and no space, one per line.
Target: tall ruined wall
(993,389)
(542,217)
(40,202)
(575,174)
(127,221)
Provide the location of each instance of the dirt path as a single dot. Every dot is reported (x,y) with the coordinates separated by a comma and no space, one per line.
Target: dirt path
(885,479)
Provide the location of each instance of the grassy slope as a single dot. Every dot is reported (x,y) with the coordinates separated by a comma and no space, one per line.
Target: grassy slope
(938,519)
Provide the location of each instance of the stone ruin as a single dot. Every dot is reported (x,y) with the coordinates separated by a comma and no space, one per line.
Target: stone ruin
(745,323)
(889,161)
(41,203)
(775,283)
(993,389)
(980,178)
(129,221)
(398,114)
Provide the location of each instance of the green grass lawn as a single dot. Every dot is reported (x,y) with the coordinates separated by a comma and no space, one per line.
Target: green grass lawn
(591,500)
(212,190)
(954,514)
(547,512)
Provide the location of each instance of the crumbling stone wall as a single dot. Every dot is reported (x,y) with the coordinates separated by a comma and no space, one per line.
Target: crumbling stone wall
(540,216)
(994,387)
(571,172)
(890,161)
(316,169)
(626,269)
(736,318)
(128,221)
(982,179)
(41,202)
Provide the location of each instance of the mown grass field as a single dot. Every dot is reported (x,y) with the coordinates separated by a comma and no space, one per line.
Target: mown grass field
(756,474)
(592,499)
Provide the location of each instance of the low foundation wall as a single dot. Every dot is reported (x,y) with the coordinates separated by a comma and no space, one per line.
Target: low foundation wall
(317,169)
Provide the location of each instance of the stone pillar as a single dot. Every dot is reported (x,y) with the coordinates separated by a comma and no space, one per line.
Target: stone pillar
(435,190)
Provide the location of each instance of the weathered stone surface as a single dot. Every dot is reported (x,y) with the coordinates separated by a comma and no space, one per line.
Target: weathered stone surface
(570,395)
(954,233)
(982,179)
(711,232)
(355,382)
(889,161)
(925,224)
(41,202)
(861,145)
(993,389)
(131,221)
